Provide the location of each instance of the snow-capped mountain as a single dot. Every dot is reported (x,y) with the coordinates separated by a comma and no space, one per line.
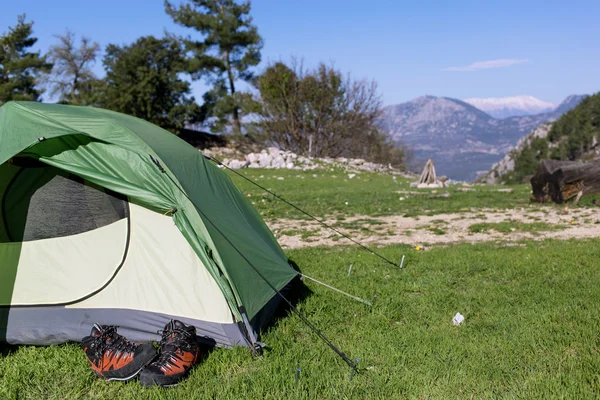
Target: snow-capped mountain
(460,138)
(504,107)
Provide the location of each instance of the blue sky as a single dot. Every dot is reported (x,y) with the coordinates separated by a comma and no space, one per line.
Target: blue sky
(547,49)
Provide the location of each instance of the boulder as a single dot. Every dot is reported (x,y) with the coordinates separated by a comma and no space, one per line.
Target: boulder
(237,164)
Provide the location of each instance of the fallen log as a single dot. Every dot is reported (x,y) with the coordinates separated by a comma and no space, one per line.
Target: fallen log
(560,181)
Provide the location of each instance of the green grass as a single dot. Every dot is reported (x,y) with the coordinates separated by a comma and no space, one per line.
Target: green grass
(531,331)
(512,226)
(532,328)
(369,194)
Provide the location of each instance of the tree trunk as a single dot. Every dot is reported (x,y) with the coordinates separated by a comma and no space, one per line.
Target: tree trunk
(560,181)
(237,126)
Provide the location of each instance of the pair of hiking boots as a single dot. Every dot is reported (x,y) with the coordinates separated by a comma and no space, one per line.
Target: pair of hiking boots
(113,357)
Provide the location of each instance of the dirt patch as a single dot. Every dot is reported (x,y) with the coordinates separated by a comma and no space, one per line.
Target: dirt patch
(442,229)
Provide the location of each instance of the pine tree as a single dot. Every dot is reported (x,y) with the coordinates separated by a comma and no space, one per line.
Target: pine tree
(144,80)
(229,49)
(19,67)
(72,78)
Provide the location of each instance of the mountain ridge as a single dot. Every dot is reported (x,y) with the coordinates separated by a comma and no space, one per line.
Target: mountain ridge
(462,139)
(573,137)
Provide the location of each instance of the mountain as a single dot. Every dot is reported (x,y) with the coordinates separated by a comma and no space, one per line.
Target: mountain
(573,137)
(503,170)
(504,107)
(462,140)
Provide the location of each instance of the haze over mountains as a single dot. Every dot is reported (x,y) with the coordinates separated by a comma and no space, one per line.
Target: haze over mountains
(462,139)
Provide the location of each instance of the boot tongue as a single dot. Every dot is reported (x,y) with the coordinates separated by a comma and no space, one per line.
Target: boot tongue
(174,324)
(97,330)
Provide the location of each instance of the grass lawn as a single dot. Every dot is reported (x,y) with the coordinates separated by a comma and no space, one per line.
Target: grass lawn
(511,226)
(532,330)
(332,193)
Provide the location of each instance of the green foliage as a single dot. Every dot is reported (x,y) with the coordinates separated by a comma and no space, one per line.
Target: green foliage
(321,113)
(531,331)
(527,161)
(20,67)
(576,130)
(144,80)
(569,139)
(72,78)
(229,48)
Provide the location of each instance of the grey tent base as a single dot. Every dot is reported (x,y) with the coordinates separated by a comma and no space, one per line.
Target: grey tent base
(53,325)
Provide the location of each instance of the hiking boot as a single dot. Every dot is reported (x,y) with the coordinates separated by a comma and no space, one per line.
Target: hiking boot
(113,357)
(179,351)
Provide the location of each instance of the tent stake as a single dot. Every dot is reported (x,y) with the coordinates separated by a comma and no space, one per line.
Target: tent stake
(350,270)
(402,262)
(298,369)
(354,369)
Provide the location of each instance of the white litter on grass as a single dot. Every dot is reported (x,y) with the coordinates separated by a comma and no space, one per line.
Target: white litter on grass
(350,176)
(458,319)
(346,203)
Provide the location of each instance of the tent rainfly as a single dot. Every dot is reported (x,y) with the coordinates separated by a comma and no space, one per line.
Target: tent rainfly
(107,218)
(428,179)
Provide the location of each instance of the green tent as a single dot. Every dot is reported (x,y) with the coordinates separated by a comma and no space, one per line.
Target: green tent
(107,218)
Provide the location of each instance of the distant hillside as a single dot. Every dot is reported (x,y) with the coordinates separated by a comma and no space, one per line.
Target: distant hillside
(462,140)
(504,107)
(575,136)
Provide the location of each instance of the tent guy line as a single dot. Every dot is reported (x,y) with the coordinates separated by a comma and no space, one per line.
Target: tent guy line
(304,212)
(351,364)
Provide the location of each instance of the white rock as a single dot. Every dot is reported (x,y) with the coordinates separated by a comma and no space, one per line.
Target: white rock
(237,164)
(278,163)
(252,158)
(280,178)
(274,151)
(458,319)
(289,165)
(350,176)
(264,160)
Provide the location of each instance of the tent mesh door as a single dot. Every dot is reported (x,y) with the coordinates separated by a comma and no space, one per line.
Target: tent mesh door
(42,203)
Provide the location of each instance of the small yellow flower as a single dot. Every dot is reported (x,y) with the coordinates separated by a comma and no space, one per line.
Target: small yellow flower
(418,248)
(572,222)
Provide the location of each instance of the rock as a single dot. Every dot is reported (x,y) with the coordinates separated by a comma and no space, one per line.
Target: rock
(237,164)
(426,185)
(289,165)
(264,160)
(350,176)
(252,158)
(278,162)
